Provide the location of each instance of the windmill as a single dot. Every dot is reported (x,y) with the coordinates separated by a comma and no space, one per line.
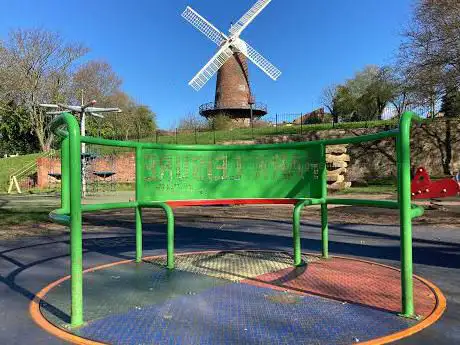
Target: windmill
(82,110)
(233,94)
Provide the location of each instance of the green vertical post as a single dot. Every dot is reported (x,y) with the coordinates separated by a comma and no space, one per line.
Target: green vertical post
(296,234)
(65,175)
(170,237)
(324,221)
(405,218)
(76,248)
(139,183)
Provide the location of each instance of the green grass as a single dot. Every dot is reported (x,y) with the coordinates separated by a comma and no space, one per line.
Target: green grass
(207,137)
(11,165)
(21,216)
(26,208)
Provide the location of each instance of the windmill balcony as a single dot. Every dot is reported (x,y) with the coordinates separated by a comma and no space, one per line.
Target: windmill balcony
(233,110)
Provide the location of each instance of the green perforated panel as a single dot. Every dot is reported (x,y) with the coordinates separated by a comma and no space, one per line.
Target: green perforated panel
(233,173)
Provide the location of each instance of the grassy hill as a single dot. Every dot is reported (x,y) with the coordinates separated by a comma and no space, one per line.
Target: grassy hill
(10,165)
(207,137)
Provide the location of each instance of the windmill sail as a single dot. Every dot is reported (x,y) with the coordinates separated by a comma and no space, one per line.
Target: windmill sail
(257,59)
(248,17)
(216,62)
(228,44)
(103,110)
(204,26)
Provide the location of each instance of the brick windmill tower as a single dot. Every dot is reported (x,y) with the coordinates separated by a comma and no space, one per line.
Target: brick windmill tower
(233,91)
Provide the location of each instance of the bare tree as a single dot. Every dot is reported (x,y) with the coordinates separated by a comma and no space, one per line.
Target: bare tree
(403,97)
(328,98)
(191,121)
(430,52)
(38,67)
(97,80)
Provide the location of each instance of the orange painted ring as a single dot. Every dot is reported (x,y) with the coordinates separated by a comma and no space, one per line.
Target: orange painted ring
(37,316)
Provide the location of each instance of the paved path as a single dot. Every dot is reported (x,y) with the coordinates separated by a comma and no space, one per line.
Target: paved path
(29,264)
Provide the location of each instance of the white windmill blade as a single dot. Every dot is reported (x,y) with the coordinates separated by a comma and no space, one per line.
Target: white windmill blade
(97,115)
(201,24)
(237,28)
(102,110)
(257,58)
(216,62)
(76,108)
(45,105)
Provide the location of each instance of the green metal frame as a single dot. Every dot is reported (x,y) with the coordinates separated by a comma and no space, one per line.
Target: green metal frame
(70,213)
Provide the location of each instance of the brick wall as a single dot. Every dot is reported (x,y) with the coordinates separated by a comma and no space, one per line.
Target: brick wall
(123,165)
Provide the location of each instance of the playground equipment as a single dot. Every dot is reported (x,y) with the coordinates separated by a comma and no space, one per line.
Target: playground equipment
(168,176)
(22,175)
(422,187)
(101,171)
(82,110)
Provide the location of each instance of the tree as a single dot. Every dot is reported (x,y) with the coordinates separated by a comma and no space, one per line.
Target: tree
(430,52)
(382,90)
(365,96)
(403,95)
(37,65)
(191,122)
(143,121)
(16,134)
(97,80)
(373,89)
(451,103)
(327,99)
(135,120)
(344,103)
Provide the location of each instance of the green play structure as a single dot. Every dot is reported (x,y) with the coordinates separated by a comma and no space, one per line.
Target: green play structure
(186,175)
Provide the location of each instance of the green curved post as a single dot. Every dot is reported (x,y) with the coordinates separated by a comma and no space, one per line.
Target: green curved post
(71,164)
(170,228)
(296,226)
(405,212)
(65,175)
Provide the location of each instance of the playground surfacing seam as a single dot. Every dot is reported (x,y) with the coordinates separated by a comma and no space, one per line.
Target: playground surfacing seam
(233,297)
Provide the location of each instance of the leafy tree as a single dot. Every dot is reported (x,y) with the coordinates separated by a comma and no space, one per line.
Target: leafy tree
(220,122)
(135,121)
(344,103)
(143,121)
(16,132)
(365,96)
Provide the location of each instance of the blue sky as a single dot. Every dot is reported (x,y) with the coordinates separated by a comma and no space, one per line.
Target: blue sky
(156,52)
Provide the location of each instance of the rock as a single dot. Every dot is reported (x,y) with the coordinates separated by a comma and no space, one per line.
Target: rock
(337,149)
(337,158)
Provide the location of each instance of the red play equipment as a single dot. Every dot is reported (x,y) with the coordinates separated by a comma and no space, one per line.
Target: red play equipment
(423,188)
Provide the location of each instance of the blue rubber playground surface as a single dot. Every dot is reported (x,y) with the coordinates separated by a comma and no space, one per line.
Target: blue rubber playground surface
(244,314)
(222,298)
